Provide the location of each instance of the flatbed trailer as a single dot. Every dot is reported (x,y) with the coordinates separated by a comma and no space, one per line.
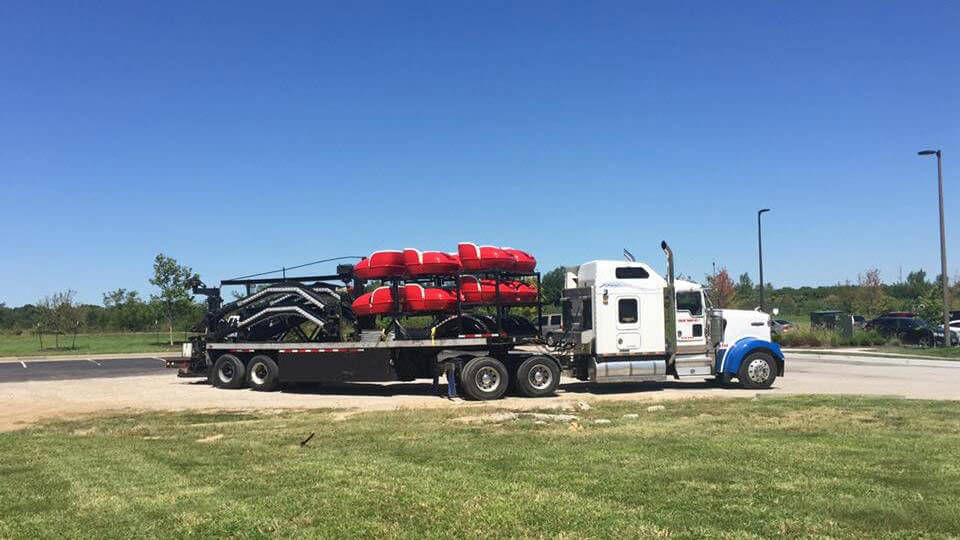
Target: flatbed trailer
(481,365)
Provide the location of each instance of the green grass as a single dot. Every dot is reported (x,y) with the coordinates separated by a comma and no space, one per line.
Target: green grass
(840,467)
(948,353)
(29,344)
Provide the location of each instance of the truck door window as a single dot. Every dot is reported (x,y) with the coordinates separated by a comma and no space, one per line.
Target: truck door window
(690,301)
(628,310)
(587,323)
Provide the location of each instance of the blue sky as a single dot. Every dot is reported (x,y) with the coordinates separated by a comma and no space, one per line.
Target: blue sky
(242,136)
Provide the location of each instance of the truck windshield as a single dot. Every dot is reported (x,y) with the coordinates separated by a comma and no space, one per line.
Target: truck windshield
(690,301)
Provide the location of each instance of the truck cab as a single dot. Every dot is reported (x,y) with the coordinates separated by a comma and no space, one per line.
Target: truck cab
(624,322)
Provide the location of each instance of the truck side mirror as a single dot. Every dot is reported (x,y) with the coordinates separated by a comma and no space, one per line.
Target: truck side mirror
(776,311)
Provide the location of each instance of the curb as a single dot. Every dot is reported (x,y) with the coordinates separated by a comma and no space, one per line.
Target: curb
(87,357)
(867,359)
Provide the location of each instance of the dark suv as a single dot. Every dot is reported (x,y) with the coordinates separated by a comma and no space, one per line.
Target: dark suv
(909,330)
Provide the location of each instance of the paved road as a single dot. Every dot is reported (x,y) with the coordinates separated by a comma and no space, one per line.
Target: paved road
(829,373)
(53,370)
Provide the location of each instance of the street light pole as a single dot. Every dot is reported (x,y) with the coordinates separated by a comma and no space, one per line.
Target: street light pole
(760,252)
(943,248)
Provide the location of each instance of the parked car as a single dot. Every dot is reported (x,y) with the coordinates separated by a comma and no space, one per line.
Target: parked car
(552,327)
(954,333)
(780,326)
(824,319)
(909,330)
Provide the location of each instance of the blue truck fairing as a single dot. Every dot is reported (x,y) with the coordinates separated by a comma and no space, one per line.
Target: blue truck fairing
(728,360)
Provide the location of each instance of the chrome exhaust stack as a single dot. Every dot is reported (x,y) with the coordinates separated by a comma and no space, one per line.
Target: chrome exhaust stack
(670,307)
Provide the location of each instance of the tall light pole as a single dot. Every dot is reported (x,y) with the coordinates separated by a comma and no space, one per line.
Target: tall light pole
(943,248)
(760,250)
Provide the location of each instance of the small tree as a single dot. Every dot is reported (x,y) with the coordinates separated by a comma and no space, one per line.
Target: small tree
(721,291)
(172,280)
(60,314)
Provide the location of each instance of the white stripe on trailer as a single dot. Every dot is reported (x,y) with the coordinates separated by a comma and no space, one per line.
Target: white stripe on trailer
(306,351)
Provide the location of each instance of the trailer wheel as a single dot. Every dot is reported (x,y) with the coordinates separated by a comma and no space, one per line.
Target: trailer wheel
(757,370)
(263,375)
(485,378)
(228,372)
(537,376)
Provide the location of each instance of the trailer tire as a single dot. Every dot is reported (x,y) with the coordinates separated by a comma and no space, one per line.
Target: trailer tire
(263,375)
(485,378)
(228,372)
(757,370)
(537,376)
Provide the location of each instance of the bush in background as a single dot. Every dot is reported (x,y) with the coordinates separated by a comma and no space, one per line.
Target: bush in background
(821,337)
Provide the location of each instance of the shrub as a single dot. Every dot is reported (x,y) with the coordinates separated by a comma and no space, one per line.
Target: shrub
(822,337)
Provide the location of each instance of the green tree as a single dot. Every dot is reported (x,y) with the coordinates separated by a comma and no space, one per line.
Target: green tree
(125,310)
(172,279)
(746,292)
(60,314)
(551,285)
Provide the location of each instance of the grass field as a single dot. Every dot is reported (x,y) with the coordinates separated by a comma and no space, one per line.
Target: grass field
(29,345)
(941,353)
(841,467)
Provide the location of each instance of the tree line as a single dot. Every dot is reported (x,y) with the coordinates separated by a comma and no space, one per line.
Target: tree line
(172,309)
(869,296)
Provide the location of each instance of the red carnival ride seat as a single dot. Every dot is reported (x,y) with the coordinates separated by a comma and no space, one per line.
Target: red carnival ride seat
(484,291)
(422,263)
(378,302)
(381,264)
(477,258)
(517,292)
(477,291)
(523,261)
(419,298)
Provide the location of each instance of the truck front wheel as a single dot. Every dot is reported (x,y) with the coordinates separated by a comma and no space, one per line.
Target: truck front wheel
(485,378)
(263,375)
(228,372)
(537,376)
(757,370)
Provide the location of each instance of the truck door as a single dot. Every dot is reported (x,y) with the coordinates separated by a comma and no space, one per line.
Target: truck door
(628,323)
(691,320)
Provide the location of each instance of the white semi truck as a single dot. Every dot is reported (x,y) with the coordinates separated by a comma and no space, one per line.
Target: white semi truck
(622,322)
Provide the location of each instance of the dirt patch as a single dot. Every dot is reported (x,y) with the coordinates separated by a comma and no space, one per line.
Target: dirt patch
(24,403)
(210,439)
